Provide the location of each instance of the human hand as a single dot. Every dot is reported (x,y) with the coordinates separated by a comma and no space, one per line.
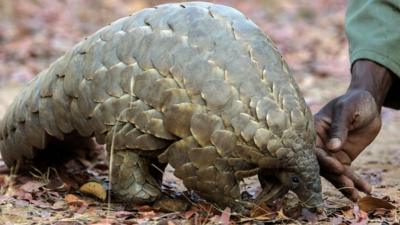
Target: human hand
(345,126)
(348,124)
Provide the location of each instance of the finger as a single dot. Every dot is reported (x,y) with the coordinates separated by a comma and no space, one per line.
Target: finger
(321,129)
(344,185)
(359,183)
(319,142)
(334,144)
(340,126)
(328,163)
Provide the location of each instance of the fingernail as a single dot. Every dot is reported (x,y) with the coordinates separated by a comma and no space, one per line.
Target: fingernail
(334,143)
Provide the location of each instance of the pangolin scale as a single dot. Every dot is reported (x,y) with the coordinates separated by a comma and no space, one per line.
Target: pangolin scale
(196,85)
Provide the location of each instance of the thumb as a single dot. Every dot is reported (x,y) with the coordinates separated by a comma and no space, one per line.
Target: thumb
(341,119)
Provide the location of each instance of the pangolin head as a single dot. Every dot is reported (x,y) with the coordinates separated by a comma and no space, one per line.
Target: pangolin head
(296,168)
(302,177)
(300,171)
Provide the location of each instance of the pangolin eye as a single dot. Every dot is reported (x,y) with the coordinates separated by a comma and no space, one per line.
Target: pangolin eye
(295,179)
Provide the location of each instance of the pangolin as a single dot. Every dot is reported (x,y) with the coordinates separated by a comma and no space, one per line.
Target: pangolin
(196,85)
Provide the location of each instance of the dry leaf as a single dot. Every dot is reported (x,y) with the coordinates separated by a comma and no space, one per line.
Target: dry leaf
(104,222)
(67,223)
(143,208)
(281,215)
(148,214)
(369,203)
(171,205)
(76,204)
(190,213)
(263,210)
(94,189)
(72,199)
(58,205)
(40,204)
(224,218)
(311,217)
(123,214)
(337,220)
(32,186)
(381,213)
(4,199)
(265,218)
(361,216)
(348,214)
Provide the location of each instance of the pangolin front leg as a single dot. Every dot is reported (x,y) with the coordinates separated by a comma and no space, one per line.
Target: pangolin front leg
(204,171)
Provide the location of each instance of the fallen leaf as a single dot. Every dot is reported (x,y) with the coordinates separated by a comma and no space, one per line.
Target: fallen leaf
(348,213)
(73,200)
(361,216)
(263,210)
(40,204)
(94,189)
(83,208)
(380,212)
(369,203)
(362,222)
(123,214)
(190,213)
(21,203)
(265,218)
(148,214)
(311,217)
(171,205)
(143,208)
(76,204)
(4,199)
(26,196)
(281,215)
(225,215)
(31,186)
(337,220)
(67,223)
(58,205)
(104,222)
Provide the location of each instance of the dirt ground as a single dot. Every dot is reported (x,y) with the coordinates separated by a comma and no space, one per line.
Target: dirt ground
(311,39)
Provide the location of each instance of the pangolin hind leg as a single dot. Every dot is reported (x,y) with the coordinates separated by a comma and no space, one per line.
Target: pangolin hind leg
(134,176)
(131,180)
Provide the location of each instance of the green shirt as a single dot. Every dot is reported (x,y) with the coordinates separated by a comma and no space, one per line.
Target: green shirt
(373,31)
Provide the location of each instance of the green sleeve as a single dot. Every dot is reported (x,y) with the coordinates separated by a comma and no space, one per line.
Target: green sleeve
(373,31)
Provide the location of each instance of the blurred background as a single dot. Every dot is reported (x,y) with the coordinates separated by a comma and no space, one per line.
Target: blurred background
(34,33)
(311,38)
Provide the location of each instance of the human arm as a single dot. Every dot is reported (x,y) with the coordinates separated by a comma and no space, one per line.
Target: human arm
(349,123)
